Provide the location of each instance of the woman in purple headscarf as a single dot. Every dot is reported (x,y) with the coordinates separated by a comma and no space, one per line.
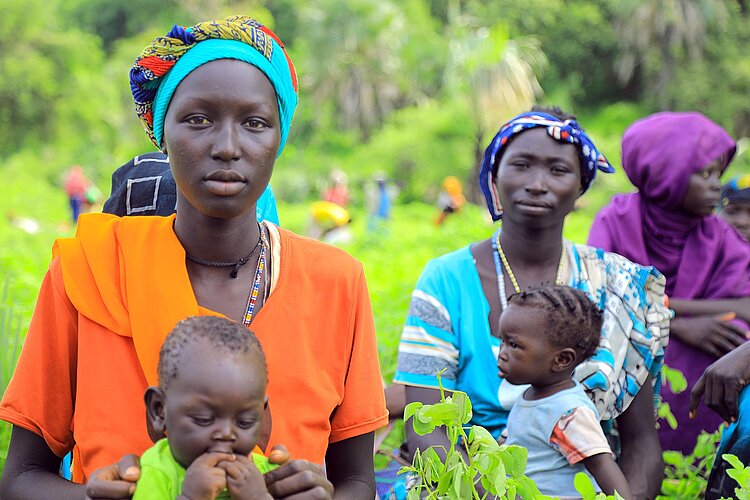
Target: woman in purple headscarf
(675,160)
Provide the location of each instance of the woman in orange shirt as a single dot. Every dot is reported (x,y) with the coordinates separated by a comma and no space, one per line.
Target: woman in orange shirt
(219,99)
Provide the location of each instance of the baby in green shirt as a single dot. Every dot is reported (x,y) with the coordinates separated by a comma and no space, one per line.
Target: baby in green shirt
(209,404)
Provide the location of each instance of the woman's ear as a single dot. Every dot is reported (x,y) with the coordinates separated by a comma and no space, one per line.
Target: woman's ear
(155,421)
(564,360)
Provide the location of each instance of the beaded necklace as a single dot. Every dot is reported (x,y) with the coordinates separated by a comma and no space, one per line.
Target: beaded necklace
(499,256)
(234,265)
(253,297)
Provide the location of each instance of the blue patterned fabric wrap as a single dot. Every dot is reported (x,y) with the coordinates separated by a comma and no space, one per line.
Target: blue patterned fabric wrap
(447,328)
(567,131)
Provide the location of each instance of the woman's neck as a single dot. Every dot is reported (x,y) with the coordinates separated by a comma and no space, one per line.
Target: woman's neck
(209,238)
(531,247)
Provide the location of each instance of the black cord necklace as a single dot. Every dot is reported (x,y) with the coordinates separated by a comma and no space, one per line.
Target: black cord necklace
(234,265)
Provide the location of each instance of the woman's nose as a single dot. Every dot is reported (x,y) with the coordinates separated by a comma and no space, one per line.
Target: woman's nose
(536,180)
(714,182)
(226,146)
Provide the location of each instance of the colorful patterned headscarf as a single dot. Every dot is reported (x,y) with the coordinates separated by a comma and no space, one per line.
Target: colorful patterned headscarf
(567,131)
(736,190)
(166,61)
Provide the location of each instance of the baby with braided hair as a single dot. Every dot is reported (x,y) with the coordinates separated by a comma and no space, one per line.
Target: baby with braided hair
(546,333)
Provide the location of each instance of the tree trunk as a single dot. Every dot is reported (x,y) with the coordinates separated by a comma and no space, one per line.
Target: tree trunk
(666,71)
(474,192)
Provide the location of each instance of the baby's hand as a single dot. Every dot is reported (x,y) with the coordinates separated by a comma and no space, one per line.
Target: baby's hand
(244,480)
(204,480)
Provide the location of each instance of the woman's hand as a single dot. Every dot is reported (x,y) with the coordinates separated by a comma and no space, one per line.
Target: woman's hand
(115,480)
(244,480)
(713,334)
(298,479)
(204,479)
(722,382)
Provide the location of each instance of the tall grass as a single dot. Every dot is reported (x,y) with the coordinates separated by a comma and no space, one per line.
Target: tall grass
(10,345)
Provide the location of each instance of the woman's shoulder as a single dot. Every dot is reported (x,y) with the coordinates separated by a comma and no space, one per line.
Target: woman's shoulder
(315,255)
(451,262)
(602,266)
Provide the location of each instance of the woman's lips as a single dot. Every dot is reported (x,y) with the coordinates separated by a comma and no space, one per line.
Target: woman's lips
(224,182)
(224,188)
(532,207)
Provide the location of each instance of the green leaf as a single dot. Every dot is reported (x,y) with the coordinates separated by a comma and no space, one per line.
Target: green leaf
(439,414)
(674,378)
(462,401)
(515,458)
(410,409)
(582,483)
(665,412)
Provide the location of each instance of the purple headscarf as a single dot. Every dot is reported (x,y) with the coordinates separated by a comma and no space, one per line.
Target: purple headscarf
(701,257)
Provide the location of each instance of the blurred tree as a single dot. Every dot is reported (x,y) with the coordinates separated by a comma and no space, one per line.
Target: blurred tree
(719,84)
(497,75)
(665,30)
(41,63)
(365,57)
(113,20)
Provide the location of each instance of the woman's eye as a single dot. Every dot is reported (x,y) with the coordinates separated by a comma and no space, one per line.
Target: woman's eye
(255,123)
(560,170)
(197,120)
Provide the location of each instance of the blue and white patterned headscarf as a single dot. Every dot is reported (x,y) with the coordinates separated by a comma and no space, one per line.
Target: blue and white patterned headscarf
(567,131)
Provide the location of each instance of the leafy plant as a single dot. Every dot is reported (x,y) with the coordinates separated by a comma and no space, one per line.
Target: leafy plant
(10,344)
(677,384)
(473,458)
(585,487)
(686,476)
(739,473)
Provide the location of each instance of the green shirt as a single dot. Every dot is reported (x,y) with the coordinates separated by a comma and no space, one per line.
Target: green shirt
(162,476)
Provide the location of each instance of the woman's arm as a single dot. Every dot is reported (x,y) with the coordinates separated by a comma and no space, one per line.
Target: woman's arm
(437,438)
(640,459)
(712,334)
(31,471)
(739,306)
(350,467)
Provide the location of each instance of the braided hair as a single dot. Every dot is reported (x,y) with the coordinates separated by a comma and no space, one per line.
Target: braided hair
(573,320)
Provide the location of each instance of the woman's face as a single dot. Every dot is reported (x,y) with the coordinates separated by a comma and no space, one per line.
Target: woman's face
(222,133)
(704,189)
(538,179)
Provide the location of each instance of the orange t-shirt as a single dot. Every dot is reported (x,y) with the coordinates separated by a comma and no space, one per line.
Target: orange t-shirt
(113,293)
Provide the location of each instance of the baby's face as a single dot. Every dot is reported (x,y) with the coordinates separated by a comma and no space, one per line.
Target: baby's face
(525,354)
(214,404)
(738,215)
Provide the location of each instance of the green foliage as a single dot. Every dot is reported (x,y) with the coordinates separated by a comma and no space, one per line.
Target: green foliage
(686,476)
(10,346)
(585,487)
(674,378)
(741,474)
(499,468)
